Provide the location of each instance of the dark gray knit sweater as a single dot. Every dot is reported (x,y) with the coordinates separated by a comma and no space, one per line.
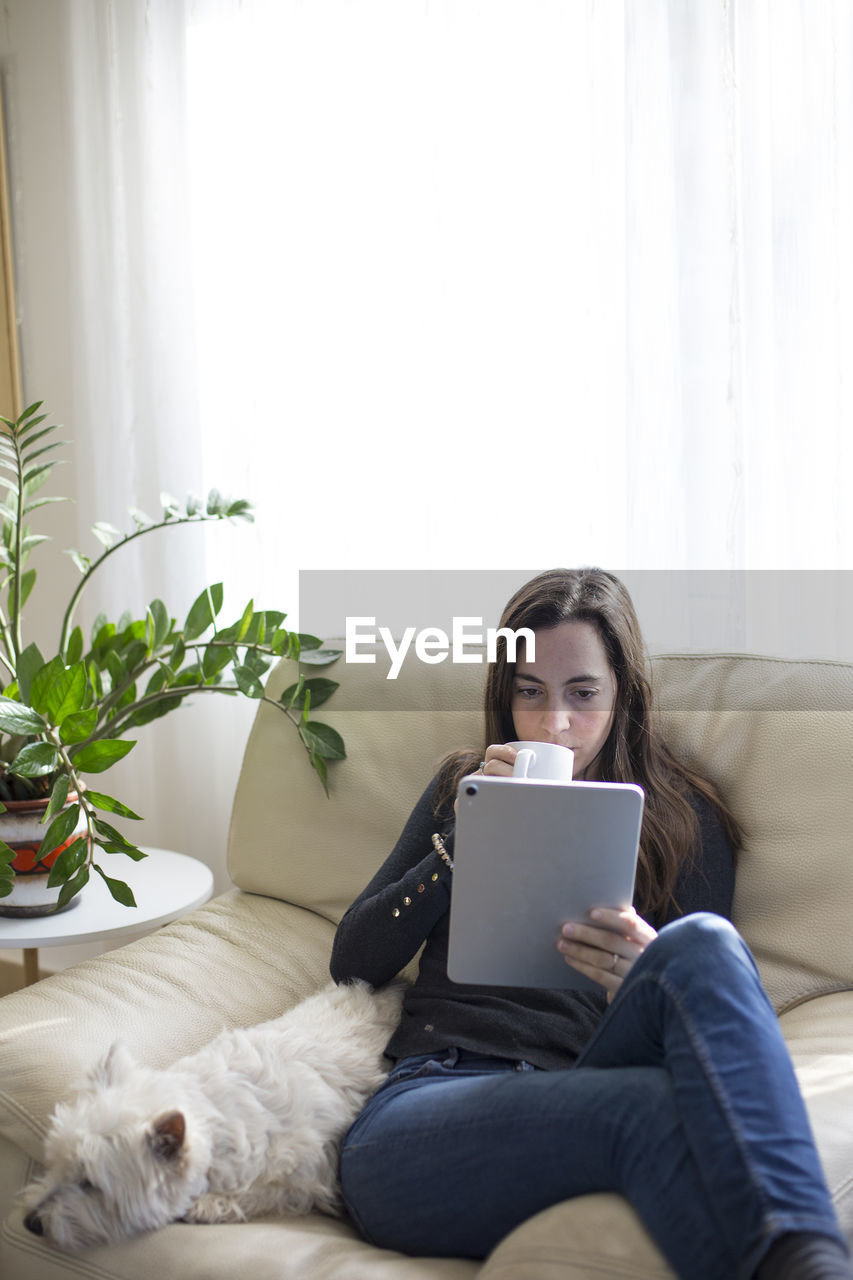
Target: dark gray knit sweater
(406,904)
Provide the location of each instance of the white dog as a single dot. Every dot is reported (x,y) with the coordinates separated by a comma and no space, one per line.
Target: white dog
(250,1124)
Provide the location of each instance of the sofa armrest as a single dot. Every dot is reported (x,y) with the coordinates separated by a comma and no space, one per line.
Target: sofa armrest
(819,1035)
(236,961)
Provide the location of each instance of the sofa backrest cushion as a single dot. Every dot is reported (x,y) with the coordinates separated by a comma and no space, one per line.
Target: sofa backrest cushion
(776,736)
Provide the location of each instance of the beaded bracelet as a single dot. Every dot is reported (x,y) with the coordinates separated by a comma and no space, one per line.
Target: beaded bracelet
(438,845)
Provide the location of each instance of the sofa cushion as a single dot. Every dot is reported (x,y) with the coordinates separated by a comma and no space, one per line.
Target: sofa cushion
(777,738)
(607,1241)
(819,1035)
(236,961)
(309,1248)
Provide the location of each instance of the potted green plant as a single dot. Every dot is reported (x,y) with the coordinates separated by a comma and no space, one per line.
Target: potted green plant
(69,714)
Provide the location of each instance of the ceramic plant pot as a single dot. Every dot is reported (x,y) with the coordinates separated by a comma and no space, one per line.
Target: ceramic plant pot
(22,830)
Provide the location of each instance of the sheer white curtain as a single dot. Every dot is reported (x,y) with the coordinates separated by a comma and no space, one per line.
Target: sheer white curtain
(437,283)
(507,284)
(96,117)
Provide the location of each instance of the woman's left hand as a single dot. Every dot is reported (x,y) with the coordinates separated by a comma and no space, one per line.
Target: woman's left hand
(605,947)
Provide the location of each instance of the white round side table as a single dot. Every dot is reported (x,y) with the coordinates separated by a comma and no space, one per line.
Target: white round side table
(165,885)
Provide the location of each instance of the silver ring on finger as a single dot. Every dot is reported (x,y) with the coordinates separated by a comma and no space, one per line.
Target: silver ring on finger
(481,768)
(616,958)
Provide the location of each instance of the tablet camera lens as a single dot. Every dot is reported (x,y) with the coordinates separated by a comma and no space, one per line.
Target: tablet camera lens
(471,789)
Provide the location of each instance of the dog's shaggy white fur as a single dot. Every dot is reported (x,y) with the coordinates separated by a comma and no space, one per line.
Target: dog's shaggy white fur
(250,1124)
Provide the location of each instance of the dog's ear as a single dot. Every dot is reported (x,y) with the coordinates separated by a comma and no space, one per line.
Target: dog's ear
(166,1135)
(113,1068)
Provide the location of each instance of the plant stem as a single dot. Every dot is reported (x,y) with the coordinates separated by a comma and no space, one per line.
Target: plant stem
(115,728)
(7,658)
(114,697)
(17,644)
(96,564)
(77,785)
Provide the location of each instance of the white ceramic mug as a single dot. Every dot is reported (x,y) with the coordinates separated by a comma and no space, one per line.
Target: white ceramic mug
(543,760)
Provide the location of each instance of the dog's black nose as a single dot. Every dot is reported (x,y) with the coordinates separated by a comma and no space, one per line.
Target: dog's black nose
(33,1223)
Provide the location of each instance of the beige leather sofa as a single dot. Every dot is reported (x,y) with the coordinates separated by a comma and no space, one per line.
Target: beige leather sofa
(776,735)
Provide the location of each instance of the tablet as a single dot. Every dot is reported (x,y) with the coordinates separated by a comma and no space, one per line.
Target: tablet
(529,856)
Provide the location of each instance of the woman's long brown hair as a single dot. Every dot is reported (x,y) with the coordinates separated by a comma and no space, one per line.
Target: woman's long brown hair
(634,750)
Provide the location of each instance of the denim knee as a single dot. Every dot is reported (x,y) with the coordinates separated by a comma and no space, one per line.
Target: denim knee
(702,945)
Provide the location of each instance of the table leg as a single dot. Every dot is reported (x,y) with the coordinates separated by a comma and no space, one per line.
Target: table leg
(31,966)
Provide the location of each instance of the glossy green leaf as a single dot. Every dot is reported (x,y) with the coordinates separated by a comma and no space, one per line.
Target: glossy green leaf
(82,562)
(248,683)
(308,642)
(58,831)
(237,632)
(35,760)
(41,683)
(58,796)
(162,622)
(319,687)
(36,476)
(203,611)
(112,841)
(320,657)
(278,641)
(109,805)
(291,696)
(57,691)
(30,661)
(99,756)
(327,742)
(240,509)
(257,630)
(257,663)
(154,711)
(215,659)
(43,502)
(161,679)
(69,861)
(70,890)
(16,718)
(74,652)
(95,680)
(318,764)
(98,625)
(179,652)
(78,726)
(135,656)
(108,534)
(120,891)
(27,413)
(115,667)
(40,435)
(28,581)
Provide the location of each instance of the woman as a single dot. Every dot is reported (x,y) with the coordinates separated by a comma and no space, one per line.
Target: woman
(505,1101)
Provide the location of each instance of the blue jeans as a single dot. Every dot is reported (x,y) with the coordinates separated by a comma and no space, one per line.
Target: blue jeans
(685,1101)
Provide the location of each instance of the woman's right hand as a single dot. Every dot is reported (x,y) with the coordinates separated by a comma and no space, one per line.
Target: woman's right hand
(498,760)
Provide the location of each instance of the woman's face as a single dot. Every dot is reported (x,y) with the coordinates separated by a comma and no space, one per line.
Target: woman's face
(567,695)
